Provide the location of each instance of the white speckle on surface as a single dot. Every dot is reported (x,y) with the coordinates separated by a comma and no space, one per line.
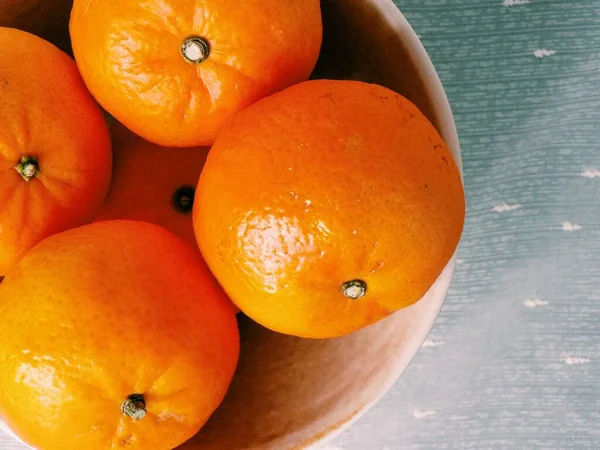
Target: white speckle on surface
(323,228)
(574,360)
(590,173)
(534,302)
(307,203)
(41,378)
(504,207)
(507,3)
(570,226)
(432,343)
(354,232)
(423,414)
(543,52)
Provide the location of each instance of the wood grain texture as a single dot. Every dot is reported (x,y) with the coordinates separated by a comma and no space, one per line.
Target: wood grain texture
(514,359)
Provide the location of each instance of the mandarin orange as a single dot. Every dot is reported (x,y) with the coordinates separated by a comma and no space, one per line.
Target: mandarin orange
(114,335)
(153,183)
(55,154)
(328,206)
(175,71)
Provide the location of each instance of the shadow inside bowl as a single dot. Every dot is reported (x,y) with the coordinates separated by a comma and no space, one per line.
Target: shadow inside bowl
(361,43)
(290,392)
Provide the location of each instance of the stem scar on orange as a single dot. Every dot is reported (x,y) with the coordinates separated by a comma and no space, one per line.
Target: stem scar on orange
(175,71)
(131,343)
(328,206)
(55,156)
(153,183)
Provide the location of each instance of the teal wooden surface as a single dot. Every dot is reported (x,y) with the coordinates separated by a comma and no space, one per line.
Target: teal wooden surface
(513,361)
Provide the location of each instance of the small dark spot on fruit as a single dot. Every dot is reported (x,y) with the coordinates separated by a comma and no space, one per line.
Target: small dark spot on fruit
(445,160)
(183,199)
(381,98)
(4,83)
(329,96)
(427,187)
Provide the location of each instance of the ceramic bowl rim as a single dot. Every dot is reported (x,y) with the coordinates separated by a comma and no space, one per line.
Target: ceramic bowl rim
(447,128)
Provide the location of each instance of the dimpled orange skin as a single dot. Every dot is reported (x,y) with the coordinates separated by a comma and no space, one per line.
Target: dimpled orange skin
(129,54)
(95,314)
(146,179)
(46,112)
(324,183)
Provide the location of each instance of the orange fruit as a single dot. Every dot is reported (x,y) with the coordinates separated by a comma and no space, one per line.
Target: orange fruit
(55,136)
(153,183)
(328,206)
(175,71)
(131,343)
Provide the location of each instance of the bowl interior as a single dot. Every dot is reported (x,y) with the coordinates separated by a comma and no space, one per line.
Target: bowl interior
(293,393)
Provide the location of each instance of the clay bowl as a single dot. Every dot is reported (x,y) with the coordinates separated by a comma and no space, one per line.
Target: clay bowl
(292,393)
